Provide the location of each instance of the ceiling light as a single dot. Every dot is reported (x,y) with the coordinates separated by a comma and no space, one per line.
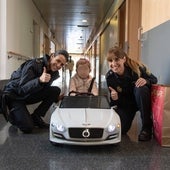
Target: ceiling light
(84,20)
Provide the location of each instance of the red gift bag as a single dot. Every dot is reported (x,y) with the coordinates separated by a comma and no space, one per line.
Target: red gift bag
(160,97)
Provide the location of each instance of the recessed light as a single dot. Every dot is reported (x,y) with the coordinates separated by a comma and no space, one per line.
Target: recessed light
(84,20)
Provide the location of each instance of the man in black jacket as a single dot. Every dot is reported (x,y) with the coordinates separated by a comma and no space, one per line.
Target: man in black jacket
(30,84)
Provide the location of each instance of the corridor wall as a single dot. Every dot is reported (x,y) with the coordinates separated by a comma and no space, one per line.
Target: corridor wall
(155,40)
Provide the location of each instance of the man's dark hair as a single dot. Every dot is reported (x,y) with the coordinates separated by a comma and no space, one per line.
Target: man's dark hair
(62,52)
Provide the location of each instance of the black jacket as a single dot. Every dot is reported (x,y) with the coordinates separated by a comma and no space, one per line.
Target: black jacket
(25,80)
(125,84)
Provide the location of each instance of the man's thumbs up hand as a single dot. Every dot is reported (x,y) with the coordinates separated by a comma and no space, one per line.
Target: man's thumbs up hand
(45,77)
(44,70)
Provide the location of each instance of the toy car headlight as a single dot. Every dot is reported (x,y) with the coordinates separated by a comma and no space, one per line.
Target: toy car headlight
(57,127)
(111,128)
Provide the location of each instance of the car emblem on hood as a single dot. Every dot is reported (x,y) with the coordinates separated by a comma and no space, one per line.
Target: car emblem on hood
(86,133)
(86,124)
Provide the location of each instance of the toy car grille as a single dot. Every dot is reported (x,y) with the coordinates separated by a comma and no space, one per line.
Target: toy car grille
(86,133)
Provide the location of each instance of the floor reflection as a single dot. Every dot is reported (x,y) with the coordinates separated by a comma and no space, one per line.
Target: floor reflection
(34,151)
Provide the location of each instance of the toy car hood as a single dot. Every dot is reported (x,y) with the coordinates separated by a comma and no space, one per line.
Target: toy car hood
(70,117)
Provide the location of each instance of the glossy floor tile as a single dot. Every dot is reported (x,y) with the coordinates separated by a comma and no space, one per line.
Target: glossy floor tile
(20,151)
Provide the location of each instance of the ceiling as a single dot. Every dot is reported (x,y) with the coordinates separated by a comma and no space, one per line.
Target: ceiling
(65,20)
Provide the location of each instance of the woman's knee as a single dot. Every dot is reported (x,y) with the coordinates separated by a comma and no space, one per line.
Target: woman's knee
(142,91)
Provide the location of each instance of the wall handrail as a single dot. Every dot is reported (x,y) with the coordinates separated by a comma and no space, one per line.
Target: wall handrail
(18,55)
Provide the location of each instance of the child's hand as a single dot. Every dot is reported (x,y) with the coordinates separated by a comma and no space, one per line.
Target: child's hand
(61,96)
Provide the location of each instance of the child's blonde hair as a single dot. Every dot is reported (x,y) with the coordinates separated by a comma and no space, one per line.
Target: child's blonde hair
(83,61)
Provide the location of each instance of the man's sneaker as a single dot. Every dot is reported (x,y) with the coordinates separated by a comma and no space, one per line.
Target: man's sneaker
(145,135)
(37,120)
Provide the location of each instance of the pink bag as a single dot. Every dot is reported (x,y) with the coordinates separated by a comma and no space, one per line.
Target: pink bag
(160,96)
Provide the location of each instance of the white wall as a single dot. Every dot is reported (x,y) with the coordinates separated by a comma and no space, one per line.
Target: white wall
(2,39)
(154,13)
(17,33)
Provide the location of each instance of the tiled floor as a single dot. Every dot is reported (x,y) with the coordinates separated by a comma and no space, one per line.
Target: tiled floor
(20,151)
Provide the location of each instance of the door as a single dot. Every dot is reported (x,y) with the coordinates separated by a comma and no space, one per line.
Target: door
(133,18)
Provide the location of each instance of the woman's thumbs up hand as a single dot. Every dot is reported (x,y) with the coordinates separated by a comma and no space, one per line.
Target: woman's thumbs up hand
(113,94)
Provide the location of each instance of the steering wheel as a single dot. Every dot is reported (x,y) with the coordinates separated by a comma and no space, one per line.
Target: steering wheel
(81,93)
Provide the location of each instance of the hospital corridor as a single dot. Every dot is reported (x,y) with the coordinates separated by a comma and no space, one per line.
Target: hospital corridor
(84,85)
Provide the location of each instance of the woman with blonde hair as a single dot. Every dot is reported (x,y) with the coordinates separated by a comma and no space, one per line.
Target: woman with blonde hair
(82,81)
(129,83)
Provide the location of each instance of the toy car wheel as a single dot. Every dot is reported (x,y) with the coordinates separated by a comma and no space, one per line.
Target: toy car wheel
(54,143)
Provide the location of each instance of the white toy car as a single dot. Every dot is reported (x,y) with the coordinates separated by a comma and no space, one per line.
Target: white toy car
(84,120)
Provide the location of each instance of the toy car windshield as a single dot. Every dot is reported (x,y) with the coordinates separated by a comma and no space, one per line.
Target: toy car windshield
(85,102)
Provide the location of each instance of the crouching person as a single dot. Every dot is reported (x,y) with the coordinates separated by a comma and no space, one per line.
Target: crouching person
(129,83)
(30,84)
